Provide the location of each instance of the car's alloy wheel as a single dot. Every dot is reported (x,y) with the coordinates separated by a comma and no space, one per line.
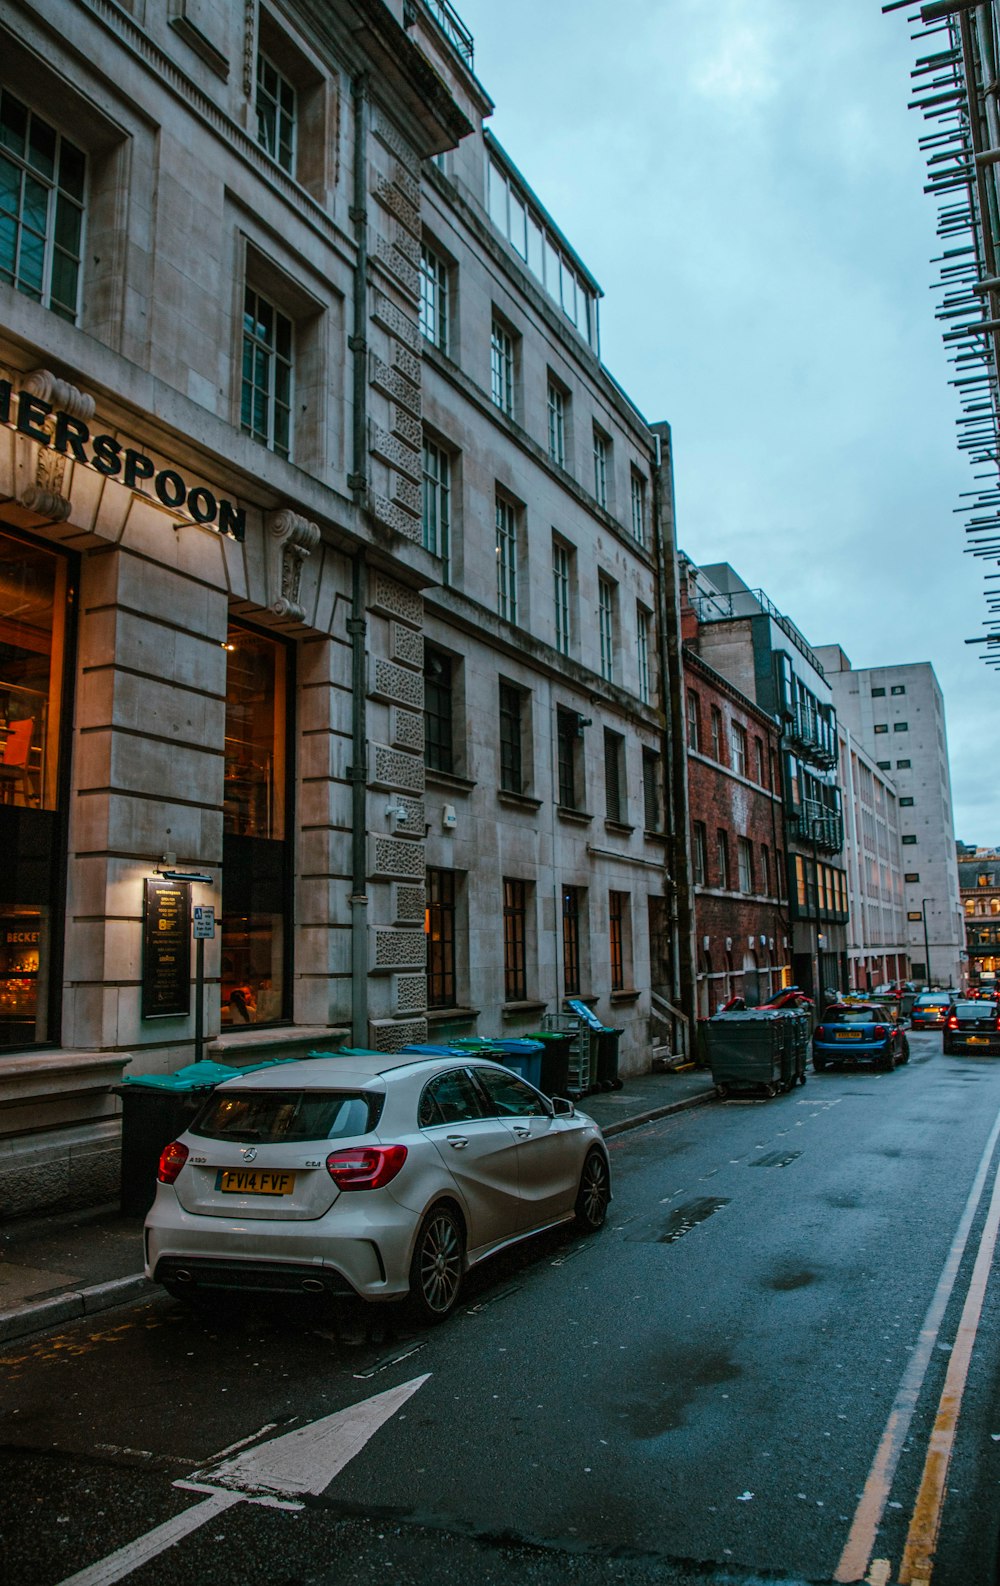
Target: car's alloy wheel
(904,1051)
(437,1266)
(594,1193)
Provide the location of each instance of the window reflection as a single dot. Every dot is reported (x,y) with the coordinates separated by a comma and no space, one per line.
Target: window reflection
(256,864)
(24,989)
(252,969)
(255,735)
(32,628)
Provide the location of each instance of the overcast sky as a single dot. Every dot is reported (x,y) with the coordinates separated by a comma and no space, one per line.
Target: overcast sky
(744,180)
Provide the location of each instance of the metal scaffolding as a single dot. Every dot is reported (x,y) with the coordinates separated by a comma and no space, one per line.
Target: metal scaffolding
(956,90)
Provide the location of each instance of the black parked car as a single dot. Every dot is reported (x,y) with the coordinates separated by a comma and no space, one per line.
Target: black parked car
(973,1027)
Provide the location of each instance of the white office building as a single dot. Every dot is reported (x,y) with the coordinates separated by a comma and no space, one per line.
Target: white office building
(876,928)
(897,714)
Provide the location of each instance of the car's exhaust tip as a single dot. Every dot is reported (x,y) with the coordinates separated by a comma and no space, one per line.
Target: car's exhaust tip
(313,1285)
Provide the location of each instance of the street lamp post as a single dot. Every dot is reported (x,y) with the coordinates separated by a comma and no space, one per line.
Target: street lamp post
(927,951)
(819,924)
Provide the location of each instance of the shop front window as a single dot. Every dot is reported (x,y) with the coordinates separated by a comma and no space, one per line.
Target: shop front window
(34,600)
(256,863)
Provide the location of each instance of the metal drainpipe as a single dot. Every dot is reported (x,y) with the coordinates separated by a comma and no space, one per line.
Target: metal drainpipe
(674,748)
(356,624)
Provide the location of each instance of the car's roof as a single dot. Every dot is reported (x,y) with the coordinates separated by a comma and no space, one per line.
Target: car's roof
(354,1071)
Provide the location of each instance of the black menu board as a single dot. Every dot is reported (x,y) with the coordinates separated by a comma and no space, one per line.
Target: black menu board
(166,950)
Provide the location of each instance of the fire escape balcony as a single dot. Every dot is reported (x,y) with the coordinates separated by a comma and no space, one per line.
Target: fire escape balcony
(804,731)
(813,822)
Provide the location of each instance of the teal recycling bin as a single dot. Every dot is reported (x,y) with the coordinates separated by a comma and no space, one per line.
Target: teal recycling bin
(156,1108)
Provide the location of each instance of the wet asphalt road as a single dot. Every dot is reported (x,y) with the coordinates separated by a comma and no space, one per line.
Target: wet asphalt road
(698,1393)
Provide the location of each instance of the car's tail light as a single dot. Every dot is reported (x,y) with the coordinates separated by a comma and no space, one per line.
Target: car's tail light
(172,1159)
(881,1032)
(953,1021)
(361,1167)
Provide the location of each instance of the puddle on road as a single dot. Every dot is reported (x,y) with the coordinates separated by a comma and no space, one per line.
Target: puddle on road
(791,1278)
(665,1406)
(775,1159)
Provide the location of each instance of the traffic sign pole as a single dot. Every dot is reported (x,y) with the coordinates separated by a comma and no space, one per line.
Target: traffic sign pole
(203,922)
(199,998)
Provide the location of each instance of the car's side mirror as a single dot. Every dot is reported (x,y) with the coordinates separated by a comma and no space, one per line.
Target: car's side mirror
(561,1108)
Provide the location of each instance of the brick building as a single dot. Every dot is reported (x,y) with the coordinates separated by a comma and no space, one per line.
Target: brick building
(741,934)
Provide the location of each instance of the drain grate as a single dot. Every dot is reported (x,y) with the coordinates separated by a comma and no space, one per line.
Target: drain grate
(683,1218)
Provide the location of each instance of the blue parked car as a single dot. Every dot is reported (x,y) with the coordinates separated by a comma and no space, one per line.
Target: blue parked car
(857,1032)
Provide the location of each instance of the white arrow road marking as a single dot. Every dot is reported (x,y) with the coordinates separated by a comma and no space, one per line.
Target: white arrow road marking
(301,1462)
(306,1460)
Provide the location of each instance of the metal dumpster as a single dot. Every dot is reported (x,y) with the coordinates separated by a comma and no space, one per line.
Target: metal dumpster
(795,1046)
(746,1051)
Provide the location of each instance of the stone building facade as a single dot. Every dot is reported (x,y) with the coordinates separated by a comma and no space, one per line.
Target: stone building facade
(251,505)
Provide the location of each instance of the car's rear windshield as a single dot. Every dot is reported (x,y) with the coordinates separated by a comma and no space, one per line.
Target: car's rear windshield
(290,1115)
(973,1010)
(933,1002)
(855,1013)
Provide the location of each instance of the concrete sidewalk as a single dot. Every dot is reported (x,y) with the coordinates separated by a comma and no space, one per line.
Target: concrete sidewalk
(71,1264)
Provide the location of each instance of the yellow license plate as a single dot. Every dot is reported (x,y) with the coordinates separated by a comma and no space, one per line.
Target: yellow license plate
(977,1040)
(850,1035)
(253,1181)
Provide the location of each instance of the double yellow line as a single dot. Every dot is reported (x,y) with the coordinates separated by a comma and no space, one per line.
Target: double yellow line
(925,1524)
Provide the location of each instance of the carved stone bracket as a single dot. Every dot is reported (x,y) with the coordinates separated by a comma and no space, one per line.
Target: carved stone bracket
(294,539)
(60,394)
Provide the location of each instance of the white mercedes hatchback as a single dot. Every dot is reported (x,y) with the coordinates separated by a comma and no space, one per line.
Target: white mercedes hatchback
(379,1175)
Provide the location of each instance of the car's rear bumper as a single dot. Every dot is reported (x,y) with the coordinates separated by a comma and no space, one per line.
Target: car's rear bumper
(850,1052)
(990,1047)
(339,1255)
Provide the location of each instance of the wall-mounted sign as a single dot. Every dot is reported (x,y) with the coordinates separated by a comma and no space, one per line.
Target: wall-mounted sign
(204,922)
(166,950)
(49,426)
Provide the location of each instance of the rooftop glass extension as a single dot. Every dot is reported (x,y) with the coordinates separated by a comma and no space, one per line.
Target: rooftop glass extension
(521,219)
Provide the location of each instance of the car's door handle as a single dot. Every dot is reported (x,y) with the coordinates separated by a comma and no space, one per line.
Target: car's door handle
(521,1132)
(458,1141)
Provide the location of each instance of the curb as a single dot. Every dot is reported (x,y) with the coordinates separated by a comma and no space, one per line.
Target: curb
(70,1307)
(639,1118)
